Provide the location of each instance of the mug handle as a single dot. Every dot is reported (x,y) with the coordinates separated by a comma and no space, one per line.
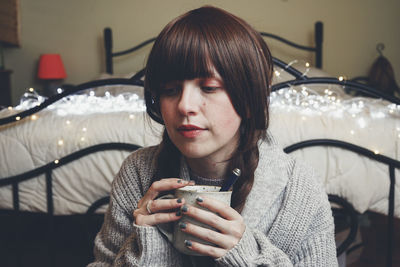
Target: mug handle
(166,228)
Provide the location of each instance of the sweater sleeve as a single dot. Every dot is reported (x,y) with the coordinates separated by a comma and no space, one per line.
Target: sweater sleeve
(302,233)
(255,249)
(120,242)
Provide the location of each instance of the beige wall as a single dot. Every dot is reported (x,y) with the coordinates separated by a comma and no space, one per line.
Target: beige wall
(73,28)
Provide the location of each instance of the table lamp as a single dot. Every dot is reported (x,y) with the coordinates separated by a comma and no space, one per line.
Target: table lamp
(51,71)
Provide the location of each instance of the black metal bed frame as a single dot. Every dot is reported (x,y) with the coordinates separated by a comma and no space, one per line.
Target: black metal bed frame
(391,163)
(47,170)
(318,39)
(299,78)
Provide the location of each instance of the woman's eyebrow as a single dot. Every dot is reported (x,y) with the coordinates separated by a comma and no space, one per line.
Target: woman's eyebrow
(213,79)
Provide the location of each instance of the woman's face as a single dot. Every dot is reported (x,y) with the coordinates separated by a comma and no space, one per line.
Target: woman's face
(200,119)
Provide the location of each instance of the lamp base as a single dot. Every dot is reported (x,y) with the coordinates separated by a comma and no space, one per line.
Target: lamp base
(50,87)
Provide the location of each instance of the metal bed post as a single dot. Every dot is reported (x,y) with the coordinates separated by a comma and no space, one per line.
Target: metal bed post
(390,243)
(108,47)
(15,193)
(318,44)
(50,217)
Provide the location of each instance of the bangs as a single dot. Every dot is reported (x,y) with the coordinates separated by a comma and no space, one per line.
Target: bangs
(185,56)
(206,41)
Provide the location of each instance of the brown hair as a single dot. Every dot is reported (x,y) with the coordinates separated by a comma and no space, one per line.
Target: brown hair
(190,47)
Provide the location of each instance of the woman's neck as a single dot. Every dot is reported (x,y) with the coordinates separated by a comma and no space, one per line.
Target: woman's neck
(205,168)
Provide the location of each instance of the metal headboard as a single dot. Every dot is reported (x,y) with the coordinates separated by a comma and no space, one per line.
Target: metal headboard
(317,49)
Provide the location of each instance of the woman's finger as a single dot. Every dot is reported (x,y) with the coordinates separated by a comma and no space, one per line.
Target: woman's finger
(156,218)
(147,206)
(208,235)
(219,207)
(234,227)
(162,205)
(206,250)
(167,184)
(203,216)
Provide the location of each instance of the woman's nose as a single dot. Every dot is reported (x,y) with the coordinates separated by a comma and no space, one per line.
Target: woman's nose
(189,100)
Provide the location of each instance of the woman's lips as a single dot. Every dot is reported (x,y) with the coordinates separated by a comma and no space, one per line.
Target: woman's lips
(190,131)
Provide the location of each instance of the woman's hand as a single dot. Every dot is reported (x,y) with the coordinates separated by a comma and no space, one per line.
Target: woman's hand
(228,222)
(151,212)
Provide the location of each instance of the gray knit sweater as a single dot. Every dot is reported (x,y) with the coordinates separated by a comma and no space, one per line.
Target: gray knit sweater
(287,215)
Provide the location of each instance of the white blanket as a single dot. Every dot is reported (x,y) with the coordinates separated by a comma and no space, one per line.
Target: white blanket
(297,114)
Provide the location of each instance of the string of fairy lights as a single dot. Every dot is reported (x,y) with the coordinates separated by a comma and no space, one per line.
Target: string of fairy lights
(305,101)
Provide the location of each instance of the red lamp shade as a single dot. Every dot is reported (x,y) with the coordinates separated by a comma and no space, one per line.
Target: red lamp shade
(51,67)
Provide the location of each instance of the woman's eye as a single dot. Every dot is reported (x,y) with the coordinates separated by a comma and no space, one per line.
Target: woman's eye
(210,89)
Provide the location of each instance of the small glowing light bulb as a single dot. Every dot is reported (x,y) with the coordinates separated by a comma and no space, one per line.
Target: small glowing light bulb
(31,90)
(82,139)
(307,64)
(34,117)
(59,90)
(10,108)
(352,132)
(376,152)
(60,142)
(17,118)
(341,78)
(56,161)
(131,116)
(84,129)
(68,122)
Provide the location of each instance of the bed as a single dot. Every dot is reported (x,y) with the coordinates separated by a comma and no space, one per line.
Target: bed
(59,155)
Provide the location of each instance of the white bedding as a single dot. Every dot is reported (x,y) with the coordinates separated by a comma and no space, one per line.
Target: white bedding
(296,115)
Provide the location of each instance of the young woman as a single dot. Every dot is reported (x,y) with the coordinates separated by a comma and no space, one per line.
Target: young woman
(207,80)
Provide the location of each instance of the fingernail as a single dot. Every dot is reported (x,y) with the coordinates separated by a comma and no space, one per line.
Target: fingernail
(179,200)
(192,182)
(188,243)
(178,213)
(182,225)
(199,199)
(184,208)
(179,181)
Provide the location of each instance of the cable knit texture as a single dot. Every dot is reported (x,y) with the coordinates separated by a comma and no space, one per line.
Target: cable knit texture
(287,215)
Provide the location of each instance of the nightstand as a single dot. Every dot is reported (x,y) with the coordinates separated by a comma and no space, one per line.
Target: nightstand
(5,88)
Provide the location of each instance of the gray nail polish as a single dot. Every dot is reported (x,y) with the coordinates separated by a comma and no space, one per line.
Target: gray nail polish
(179,181)
(179,200)
(182,225)
(188,243)
(199,199)
(178,213)
(184,208)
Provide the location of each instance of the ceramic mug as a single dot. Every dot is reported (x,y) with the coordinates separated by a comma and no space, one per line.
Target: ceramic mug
(174,234)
